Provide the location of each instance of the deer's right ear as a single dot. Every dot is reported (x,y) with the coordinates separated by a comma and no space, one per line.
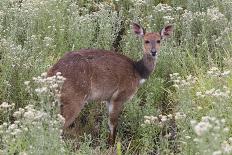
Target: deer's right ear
(139,30)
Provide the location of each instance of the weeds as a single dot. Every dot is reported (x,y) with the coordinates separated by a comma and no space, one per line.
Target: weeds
(192,79)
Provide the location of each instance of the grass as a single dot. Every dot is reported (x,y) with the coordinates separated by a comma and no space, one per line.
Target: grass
(178,114)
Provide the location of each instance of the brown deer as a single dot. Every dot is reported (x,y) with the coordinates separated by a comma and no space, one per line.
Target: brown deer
(100,75)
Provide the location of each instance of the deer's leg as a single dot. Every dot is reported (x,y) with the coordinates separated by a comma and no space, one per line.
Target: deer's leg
(71,109)
(114,108)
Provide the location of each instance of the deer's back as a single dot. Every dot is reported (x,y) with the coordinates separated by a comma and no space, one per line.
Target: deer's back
(97,73)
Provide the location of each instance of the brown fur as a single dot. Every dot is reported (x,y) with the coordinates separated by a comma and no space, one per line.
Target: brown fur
(99,75)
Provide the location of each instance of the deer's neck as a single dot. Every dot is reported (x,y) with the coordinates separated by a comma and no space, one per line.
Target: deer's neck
(145,66)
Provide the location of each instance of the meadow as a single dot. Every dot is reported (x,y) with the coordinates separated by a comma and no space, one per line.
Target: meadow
(184,108)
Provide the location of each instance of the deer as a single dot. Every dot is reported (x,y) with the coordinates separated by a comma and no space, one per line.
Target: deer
(102,75)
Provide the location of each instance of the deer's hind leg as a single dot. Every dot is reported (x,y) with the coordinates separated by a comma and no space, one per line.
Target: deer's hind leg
(71,107)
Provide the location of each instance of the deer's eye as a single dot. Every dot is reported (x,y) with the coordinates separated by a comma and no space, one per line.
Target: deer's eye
(147,41)
(158,41)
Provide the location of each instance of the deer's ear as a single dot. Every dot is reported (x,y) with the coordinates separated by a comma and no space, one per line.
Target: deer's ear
(166,31)
(139,30)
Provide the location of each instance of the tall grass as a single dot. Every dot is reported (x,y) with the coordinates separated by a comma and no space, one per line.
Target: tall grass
(173,113)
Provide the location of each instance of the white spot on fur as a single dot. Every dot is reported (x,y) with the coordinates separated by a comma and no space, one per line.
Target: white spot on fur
(142,81)
(110,108)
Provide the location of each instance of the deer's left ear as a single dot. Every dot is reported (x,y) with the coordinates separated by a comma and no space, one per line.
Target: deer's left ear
(166,31)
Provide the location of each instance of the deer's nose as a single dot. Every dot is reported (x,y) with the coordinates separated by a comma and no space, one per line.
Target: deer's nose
(153,52)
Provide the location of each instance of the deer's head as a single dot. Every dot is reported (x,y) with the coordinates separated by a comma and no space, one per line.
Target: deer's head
(152,40)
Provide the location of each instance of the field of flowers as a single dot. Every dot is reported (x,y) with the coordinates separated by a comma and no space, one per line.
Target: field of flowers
(184,108)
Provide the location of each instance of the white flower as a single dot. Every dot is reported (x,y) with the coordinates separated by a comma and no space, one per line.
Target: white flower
(209,72)
(44,74)
(41,90)
(175,74)
(209,92)
(169,115)
(193,122)
(226,129)
(164,118)
(201,128)
(217,152)
(180,115)
(147,122)
(198,93)
(58,73)
(16,132)
(152,118)
(29,115)
(61,118)
(225,73)
(179,8)
(214,69)
(176,86)
(226,148)
(146,117)
(26,83)
(17,114)
(22,153)
(12,127)
(5,105)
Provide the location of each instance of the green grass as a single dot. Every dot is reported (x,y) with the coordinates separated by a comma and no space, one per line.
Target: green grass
(35,34)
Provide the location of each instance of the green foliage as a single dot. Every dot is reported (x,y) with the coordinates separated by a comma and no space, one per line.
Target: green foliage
(35,34)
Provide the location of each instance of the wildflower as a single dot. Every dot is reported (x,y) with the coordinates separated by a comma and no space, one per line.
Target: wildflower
(176,86)
(230,139)
(209,92)
(180,115)
(179,8)
(147,122)
(26,83)
(29,115)
(168,135)
(5,105)
(201,128)
(58,74)
(54,85)
(175,74)
(214,69)
(18,114)
(214,14)
(152,118)
(226,148)
(198,93)
(41,90)
(12,127)
(22,153)
(44,74)
(146,117)
(193,122)
(61,118)
(209,72)
(169,115)
(16,132)
(217,152)
(226,129)
(164,118)
(225,73)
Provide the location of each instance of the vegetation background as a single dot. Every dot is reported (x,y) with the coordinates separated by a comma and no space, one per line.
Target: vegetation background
(184,108)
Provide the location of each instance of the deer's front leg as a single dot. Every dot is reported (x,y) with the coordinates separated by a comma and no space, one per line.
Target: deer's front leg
(114,108)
